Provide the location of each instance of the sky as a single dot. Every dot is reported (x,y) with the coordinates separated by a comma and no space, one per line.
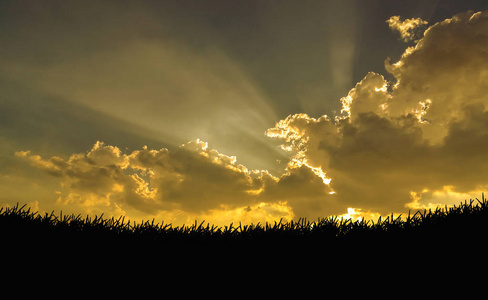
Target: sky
(242,111)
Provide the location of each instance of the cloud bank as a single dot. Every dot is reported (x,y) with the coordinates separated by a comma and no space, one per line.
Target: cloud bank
(423,133)
(180,185)
(396,146)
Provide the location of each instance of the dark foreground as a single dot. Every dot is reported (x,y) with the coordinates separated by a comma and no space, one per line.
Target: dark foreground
(446,245)
(457,228)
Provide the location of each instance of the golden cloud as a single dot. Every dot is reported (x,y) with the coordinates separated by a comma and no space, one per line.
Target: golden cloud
(193,181)
(427,131)
(408,28)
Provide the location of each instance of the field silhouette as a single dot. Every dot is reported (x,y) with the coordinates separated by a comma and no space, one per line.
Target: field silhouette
(454,228)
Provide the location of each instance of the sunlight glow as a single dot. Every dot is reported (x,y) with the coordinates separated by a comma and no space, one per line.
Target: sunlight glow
(383,89)
(318,171)
(346,105)
(428,199)
(352,213)
(255,192)
(419,113)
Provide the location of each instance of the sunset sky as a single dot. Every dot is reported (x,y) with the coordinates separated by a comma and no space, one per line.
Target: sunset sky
(244,110)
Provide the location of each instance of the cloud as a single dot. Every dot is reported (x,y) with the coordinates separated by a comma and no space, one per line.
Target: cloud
(192,181)
(444,71)
(421,135)
(409,29)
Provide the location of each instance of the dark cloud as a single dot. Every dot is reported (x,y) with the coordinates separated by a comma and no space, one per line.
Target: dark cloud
(192,179)
(426,134)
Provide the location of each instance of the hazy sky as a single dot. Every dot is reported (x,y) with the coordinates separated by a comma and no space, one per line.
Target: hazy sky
(242,110)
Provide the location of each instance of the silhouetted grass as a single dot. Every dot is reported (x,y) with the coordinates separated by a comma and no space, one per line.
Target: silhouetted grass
(463,223)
